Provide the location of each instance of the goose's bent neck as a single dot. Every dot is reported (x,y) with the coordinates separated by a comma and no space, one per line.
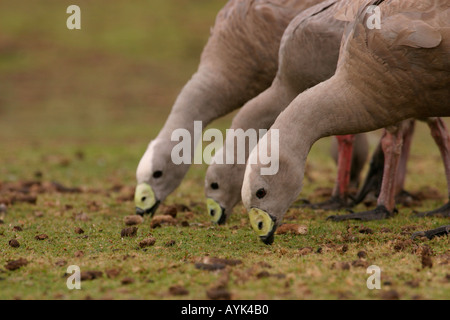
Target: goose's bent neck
(330,108)
(205,97)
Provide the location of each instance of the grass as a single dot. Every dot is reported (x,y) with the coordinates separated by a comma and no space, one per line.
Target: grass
(105,91)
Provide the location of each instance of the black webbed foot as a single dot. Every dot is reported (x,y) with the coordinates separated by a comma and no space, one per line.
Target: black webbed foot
(379,213)
(443,211)
(334,204)
(439,232)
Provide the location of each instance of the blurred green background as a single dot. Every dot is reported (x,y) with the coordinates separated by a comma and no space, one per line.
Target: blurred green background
(122,69)
(109,85)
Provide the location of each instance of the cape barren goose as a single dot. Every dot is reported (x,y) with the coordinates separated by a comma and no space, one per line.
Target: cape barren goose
(308,55)
(238,62)
(384,76)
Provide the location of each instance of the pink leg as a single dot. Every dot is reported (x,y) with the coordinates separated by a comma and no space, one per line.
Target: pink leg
(345,149)
(340,199)
(402,168)
(392,143)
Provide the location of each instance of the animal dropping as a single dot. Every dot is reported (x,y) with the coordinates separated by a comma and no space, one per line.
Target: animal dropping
(129,232)
(133,220)
(147,242)
(293,229)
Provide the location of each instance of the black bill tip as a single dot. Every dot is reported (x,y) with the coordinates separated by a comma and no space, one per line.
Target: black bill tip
(223,218)
(269,239)
(150,211)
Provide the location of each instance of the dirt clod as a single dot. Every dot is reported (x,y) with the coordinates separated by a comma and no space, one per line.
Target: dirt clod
(169,211)
(263,274)
(17,229)
(147,242)
(360,264)
(41,237)
(60,263)
(78,230)
(293,229)
(362,254)
(16,264)
(185,224)
(90,275)
(402,245)
(14,243)
(218,293)
(390,295)
(133,220)
(129,232)
(342,248)
(427,262)
(127,281)
(178,291)
(112,273)
(365,230)
(158,221)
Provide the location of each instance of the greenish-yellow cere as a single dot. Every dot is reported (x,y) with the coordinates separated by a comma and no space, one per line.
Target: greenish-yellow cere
(144,197)
(213,206)
(261,222)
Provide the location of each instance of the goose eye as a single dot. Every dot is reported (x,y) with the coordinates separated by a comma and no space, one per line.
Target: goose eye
(157,174)
(261,193)
(214,186)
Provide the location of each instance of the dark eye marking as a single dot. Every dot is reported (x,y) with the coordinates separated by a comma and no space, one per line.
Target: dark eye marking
(157,174)
(261,193)
(214,186)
